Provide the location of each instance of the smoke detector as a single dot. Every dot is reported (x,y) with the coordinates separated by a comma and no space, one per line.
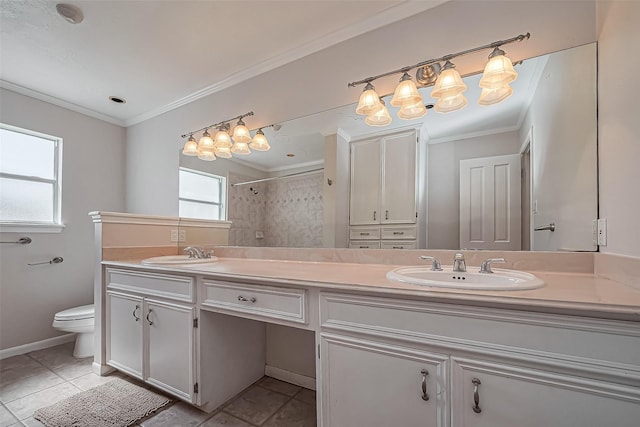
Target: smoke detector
(70,13)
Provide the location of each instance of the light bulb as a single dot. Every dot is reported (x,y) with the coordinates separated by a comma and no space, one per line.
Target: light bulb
(449,83)
(498,72)
(494,96)
(380,117)
(406,92)
(369,101)
(259,142)
(450,103)
(241,133)
(222,139)
(190,147)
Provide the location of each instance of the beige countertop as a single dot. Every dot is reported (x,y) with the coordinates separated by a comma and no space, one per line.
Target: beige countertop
(580,294)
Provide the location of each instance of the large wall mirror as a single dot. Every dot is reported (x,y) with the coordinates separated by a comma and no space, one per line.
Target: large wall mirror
(297,194)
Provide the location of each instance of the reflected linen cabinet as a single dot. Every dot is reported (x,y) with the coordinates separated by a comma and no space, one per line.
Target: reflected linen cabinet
(382,208)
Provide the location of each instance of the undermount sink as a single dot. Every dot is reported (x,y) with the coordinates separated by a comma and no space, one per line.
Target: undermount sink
(499,280)
(177,260)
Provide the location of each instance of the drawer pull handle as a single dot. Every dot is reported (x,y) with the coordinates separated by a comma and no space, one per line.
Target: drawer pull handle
(395,233)
(424,373)
(241,298)
(374,215)
(134,313)
(398,247)
(149,314)
(476,395)
(386,214)
(364,234)
(364,247)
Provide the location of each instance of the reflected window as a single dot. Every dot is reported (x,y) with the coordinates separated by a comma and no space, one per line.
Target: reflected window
(30,177)
(201,195)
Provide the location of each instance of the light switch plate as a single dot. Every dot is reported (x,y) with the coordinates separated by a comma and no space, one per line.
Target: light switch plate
(182,236)
(174,235)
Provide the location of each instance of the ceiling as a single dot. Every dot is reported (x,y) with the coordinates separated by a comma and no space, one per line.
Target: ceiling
(159,55)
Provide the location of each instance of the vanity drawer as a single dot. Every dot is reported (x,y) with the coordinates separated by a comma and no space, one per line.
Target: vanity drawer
(401,244)
(364,233)
(161,285)
(399,233)
(363,244)
(264,301)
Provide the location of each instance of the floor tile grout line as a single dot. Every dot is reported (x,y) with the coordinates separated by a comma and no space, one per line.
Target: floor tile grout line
(278,410)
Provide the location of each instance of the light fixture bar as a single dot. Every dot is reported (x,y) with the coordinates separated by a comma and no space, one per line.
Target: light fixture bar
(274,178)
(448,57)
(215,125)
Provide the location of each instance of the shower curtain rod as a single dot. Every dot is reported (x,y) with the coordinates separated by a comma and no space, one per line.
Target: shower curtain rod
(273,178)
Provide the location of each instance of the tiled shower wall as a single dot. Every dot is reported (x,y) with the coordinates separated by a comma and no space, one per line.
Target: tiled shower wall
(289,212)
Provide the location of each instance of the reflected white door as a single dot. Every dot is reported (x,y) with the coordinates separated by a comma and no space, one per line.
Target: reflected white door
(490,203)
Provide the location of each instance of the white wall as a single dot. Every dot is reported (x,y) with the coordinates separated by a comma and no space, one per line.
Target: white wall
(619,124)
(443,170)
(93,176)
(564,178)
(319,81)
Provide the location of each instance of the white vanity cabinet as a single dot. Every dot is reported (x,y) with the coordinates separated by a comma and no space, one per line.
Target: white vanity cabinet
(487,367)
(383,191)
(149,334)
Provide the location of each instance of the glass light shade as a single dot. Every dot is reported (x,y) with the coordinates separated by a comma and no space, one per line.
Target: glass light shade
(190,147)
(259,142)
(205,142)
(223,152)
(449,83)
(207,154)
(412,111)
(240,148)
(241,133)
(379,118)
(498,72)
(406,92)
(493,96)
(450,103)
(222,139)
(369,101)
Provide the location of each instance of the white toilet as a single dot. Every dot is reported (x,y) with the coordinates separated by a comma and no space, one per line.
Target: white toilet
(80,321)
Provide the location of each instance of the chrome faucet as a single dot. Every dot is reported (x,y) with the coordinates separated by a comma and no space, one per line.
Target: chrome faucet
(196,252)
(435,264)
(485,267)
(459,265)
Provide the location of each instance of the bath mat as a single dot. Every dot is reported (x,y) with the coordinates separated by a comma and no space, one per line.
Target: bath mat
(117,403)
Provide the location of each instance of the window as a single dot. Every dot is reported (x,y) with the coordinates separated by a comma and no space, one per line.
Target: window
(30,178)
(202,195)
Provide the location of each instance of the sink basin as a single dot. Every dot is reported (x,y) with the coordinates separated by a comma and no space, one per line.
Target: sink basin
(177,260)
(499,280)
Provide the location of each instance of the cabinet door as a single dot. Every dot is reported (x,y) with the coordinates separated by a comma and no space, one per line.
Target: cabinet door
(364,205)
(170,343)
(398,195)
(371,384)
(510,396)
(124,333)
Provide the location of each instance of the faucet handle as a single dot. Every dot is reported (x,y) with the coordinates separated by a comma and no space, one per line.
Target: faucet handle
(485,267)
(435,264)
(190,250)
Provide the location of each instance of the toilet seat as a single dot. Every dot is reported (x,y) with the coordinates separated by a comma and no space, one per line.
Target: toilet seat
(76,313)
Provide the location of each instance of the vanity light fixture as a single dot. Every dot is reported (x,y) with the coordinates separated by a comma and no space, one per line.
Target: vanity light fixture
(448,85)
(225,143)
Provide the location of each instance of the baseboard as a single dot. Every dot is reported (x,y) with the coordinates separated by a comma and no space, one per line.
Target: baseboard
(38,345)
(290,377)
(101,370)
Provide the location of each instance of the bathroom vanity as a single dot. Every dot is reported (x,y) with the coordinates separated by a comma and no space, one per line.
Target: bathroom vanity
(388,353)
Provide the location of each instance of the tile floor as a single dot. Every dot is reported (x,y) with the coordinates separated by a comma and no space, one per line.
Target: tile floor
(41,378)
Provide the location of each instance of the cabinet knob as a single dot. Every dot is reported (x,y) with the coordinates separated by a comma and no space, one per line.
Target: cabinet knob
(424,373)
(476,395)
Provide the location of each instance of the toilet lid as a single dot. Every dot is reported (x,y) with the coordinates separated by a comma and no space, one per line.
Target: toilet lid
(76,313)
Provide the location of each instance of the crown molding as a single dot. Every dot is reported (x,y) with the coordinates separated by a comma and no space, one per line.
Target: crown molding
(279,168)
(386,17)
(59,102)
(461,136)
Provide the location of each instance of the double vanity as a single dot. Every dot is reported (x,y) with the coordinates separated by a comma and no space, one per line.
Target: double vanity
(391,348)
